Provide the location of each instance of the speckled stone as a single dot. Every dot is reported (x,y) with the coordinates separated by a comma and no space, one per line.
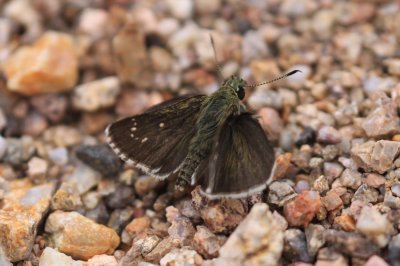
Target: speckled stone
(251,238)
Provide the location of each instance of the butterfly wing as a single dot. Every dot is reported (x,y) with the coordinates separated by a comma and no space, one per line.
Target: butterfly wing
(157,141)
(242,160)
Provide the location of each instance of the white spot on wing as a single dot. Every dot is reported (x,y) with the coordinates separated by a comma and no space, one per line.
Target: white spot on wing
(133,129)
(144,140)
(161,125)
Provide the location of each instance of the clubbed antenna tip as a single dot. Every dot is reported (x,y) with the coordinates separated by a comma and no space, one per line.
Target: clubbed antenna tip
(276,79)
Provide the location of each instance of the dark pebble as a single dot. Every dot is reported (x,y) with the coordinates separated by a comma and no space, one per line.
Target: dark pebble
(308,136)
(101,158)
(122,196)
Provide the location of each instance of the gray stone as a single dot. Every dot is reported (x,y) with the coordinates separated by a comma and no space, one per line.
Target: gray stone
(351,178)
(376,156)
(383,120)
(351,244)
(19,150)
(101,158)
(295,247)
(366,194)
(315,238)
(84,177)
(280,192)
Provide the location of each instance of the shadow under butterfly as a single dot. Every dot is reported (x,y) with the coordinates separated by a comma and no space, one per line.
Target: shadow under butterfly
(209,140)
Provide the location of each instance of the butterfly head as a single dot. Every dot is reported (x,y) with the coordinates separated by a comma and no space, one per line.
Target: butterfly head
(237,84)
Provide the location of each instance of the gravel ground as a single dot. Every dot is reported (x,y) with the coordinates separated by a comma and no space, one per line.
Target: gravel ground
(70,67)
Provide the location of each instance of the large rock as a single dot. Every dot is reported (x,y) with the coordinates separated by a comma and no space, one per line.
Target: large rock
(24,207)
(374,226)
(49,65)
(383,120)
(258,240)
(78,236)
(376,156)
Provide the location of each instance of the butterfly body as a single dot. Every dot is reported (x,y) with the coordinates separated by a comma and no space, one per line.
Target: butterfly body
(210,140)
(215,110)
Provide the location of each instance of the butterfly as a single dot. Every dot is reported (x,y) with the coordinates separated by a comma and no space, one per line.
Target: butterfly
(210,140)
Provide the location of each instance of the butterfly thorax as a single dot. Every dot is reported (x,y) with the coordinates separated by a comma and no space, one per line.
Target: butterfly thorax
(216,109)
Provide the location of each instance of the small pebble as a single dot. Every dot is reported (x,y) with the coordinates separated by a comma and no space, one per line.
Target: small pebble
(183,256)
(96,94)
(280,192)
(328,135)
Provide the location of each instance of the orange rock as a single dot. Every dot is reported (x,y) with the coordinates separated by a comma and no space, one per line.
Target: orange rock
(23,207)
(79,237)
(137,226)
(282,165)
(332,201)
(49,65)
(302,209)
(346,222)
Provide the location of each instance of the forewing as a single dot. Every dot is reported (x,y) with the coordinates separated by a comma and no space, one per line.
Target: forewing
(242,160)
(157,141)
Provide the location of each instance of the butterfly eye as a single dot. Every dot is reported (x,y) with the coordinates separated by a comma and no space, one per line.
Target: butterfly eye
(240,92)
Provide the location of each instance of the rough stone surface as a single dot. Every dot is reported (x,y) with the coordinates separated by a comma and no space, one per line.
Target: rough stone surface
(220,215)
(258,237)
(376,156)
(66,198)
(352,244)
(78,236)
(315,238)
(302,209)
(23,208)
(383,120)
(207,244)
(280,192)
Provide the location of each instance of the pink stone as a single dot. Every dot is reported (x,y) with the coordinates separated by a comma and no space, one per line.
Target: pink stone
(302,209)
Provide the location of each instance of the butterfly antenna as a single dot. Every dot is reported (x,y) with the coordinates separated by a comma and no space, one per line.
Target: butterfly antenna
(275,79)
(218,67)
